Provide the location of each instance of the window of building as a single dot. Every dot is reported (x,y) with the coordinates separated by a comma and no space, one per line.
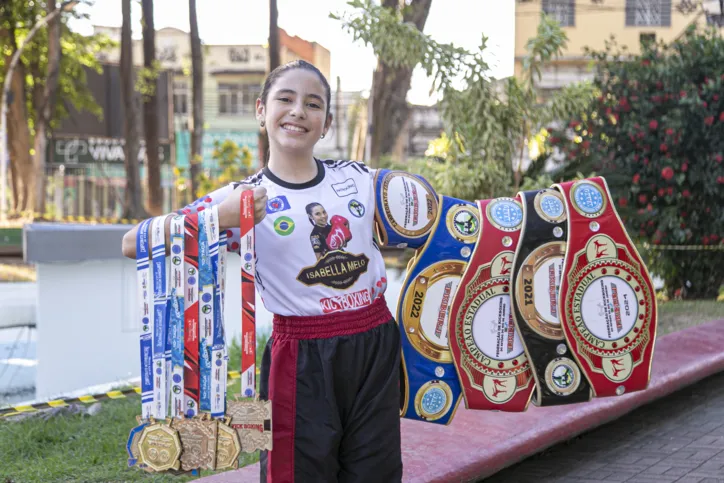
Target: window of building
(647,38)
(563,11)
(180,98)
(717,20)
(648,13)
(237,98)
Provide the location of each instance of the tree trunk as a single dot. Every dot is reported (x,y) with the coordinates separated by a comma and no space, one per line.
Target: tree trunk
(274,62)
(133,206)
(150,114)
(18,132)
(390,86)
(197,78)
(46,107)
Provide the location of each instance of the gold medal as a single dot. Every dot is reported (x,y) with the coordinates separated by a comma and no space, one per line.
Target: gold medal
(228,447)
(198,439)
(250,419)
(160,447)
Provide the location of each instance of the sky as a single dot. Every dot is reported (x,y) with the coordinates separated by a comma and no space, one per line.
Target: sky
(461,22)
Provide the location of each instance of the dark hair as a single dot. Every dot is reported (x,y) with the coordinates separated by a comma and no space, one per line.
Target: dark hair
(309,209)
(295,64)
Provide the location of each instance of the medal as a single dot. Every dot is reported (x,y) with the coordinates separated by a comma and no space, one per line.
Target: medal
(228,447)
(159,447)
(198,439)
(251,419)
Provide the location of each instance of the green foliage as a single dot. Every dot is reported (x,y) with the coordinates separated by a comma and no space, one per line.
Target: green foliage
(491,121)
(656,133)
(77,52)
(233,163)
(147,79)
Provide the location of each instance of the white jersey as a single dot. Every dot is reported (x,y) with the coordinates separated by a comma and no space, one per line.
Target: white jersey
(315,251)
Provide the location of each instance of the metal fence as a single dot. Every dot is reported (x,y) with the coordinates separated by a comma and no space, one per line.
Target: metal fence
(97,190)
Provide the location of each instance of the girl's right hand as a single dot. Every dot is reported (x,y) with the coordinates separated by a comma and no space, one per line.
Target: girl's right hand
(230,209)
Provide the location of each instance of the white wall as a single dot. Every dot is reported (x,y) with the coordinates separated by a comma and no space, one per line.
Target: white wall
(88,333)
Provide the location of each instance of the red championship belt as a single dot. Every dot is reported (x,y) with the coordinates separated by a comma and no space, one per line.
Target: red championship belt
(248,294)
(489,355)
(607,296)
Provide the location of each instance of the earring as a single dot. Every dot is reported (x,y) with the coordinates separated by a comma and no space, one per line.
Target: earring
(322,136)
(261,124)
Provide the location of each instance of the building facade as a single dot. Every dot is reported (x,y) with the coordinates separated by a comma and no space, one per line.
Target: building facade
(232,81)
(590,23)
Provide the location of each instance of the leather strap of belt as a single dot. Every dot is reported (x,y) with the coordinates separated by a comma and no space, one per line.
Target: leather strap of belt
(537,271)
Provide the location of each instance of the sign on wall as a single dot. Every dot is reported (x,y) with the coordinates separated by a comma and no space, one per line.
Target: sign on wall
(91,150)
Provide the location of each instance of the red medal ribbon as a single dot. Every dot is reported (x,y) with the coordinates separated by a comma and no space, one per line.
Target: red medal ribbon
(248,294)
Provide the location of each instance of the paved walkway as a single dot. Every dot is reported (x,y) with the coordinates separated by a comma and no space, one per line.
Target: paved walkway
(677,439)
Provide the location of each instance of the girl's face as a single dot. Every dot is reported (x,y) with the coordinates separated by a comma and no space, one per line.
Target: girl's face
(319,215)
(295,113)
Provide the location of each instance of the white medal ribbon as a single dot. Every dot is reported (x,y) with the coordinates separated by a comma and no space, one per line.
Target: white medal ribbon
(176,319)
(159,323)
(145,314)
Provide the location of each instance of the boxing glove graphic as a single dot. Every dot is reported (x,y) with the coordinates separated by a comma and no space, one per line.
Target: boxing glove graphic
(340,234)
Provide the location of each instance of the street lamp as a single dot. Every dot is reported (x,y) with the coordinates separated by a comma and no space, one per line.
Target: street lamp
(64,7)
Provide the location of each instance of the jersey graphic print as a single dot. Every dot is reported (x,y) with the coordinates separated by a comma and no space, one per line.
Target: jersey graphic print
(315,251)
(335,267)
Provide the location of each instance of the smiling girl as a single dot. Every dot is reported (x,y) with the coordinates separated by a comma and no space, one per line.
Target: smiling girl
(331,366)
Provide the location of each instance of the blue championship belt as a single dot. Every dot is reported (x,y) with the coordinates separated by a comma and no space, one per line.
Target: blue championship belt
(429,384)
(406,208)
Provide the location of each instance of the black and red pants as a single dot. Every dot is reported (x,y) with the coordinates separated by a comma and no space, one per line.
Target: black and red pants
(334,385)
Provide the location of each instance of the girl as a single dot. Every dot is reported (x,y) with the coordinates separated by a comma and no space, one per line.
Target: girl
(331,367)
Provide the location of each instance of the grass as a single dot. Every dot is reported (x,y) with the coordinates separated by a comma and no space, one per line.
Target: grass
(678,315)
(92,449)
(79,448)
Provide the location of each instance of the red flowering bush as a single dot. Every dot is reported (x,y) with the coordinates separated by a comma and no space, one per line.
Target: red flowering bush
(656,133)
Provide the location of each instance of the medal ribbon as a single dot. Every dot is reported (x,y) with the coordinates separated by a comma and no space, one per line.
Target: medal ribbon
(222,288)
(217,337)
(248,293)
(145,316)
(206,313)
(160,321)
(191,315)
(176,323)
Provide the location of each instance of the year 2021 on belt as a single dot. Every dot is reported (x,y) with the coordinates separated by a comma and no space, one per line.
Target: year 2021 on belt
(539,297)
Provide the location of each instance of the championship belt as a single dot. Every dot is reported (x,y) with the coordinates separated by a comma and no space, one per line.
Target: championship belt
(537,272)
(405,209)
(429,383)
(489,355)
(607,297)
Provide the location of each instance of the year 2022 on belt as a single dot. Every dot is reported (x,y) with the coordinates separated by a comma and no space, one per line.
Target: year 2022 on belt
(430,386)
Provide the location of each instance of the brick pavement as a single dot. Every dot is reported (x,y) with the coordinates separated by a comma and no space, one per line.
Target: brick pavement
(677,439)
